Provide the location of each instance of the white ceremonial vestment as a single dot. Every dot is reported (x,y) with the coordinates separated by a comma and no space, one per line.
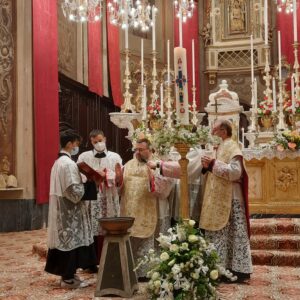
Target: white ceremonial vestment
(68,220)
(107,203)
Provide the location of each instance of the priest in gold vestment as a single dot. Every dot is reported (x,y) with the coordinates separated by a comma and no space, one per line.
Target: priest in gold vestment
(144,196)
(224,214)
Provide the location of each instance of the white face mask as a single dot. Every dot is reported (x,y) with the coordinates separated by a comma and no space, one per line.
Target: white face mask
(100,146)
(75,150)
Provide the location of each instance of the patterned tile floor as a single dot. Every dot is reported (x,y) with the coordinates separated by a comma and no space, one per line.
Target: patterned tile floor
(22,277)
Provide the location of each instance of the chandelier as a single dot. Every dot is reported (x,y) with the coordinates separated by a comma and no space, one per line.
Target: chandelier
(127,13)
(184,8)
(285,5)
(82,10)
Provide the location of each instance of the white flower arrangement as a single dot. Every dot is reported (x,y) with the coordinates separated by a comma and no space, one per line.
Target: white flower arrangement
(187,266)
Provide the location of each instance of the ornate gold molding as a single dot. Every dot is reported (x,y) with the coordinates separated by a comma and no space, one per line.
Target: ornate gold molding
(285,178)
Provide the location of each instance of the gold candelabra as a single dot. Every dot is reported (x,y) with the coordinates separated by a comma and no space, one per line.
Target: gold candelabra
(127,105)
(154,95)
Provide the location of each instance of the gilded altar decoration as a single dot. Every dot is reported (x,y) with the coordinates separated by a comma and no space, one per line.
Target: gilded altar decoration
(286,178)
(237,16)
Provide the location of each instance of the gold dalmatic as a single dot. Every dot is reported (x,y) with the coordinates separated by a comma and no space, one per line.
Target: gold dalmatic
(137,201)
(217,198)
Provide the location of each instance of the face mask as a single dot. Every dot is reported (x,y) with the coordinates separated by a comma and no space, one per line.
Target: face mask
(75,150)
(100,146)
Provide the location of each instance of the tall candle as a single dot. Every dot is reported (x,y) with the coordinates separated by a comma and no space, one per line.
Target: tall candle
(255,93)
(161,100)
(295,20)
(180,28)
(126,37)
(274,94)
(266,22)
(142,62)
(252,60)
(279,55)
(168,59)
(193,61)
(153,29)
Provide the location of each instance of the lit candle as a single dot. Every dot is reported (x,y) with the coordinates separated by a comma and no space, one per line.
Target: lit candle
(279,55)
(266,22)
(193,61)
(295,20)
(293,93)
(142,62)
(274,95)
(252,60)
(161,100)
(168,59)
(153,29)
(180,28)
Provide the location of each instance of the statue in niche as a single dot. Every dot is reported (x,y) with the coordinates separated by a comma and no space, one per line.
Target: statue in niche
(237,15)
(6,180)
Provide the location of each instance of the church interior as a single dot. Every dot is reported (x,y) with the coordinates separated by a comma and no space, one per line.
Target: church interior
(148,68)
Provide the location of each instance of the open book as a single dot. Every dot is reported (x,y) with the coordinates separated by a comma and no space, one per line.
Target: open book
(89,172)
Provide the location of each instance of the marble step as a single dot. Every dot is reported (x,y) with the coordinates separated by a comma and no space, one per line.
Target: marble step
(276,242)
(276,257)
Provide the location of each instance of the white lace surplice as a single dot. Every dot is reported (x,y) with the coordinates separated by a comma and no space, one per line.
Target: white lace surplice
(232,241)
(69,225)
(107,203)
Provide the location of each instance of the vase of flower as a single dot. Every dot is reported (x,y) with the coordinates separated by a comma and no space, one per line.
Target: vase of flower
(156,124)
(266,121)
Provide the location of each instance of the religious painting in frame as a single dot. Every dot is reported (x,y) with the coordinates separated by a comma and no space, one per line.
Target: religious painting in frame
(236,18)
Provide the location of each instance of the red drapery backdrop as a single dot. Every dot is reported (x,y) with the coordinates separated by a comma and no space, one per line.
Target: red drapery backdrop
(285,26)
(45,88)
(114,62)
(189,33)
(95,57)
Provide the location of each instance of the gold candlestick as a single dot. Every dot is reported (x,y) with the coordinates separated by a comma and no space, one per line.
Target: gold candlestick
(183,149)
(194,106)
(127,106)
(154,95)
(267,77)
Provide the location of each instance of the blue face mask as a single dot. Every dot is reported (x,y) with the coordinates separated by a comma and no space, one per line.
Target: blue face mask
(75,150)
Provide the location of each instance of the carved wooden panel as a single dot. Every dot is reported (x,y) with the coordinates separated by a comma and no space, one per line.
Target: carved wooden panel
(85,111)
(7,86)
(274,186)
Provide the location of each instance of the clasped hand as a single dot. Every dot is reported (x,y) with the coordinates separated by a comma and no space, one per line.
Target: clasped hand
(205,161)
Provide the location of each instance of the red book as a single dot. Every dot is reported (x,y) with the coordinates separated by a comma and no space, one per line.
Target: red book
(89,172)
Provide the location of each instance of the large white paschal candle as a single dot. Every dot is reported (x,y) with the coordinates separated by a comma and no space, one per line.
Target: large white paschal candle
(181,86)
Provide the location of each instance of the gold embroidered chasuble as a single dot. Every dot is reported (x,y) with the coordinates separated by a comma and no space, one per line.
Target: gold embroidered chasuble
(137,201)
(218,191)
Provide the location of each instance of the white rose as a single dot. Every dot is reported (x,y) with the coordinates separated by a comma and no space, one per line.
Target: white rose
(184,246)
(176,269)
(192,238)
(155,276)
(174,248)
(192,223)
(156,283)
(164,256)
(214,274)
(195,275)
